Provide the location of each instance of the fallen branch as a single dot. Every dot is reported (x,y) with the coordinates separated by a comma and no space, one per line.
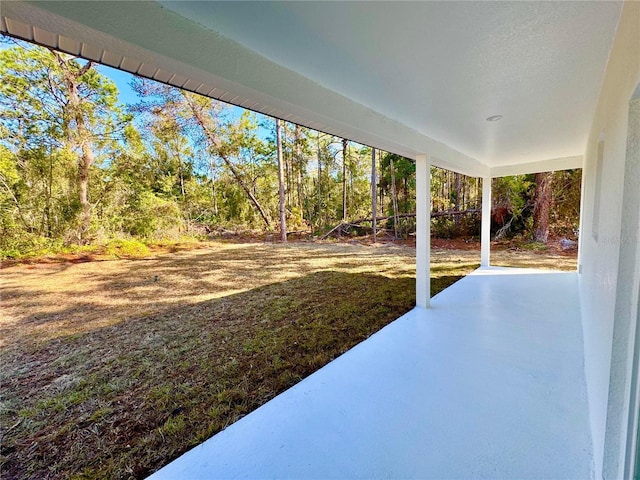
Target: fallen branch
(412,215)
(453,213)
(504,229)
(331,231)
(358,223)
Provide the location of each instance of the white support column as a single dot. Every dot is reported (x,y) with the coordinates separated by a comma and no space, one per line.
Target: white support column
(423,230)
(485,232)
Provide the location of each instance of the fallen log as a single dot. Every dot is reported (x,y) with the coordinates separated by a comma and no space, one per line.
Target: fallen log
(357,223)
(331,231)
(412,215)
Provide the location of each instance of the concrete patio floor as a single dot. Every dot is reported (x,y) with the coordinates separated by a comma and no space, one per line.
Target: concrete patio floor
(488,383)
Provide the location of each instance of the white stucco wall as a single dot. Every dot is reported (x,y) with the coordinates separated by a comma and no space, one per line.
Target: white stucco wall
(600,249)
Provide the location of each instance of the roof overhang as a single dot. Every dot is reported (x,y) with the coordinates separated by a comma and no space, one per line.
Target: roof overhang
(166,43)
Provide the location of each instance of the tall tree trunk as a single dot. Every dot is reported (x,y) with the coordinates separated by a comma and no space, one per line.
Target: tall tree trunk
(79,136)
(181,172)
(299,166)
(374,197)
(344,179)
(464,200)
(394,199)
(542,206)
(319,202)
(213,187)
(287,166)
(283,213)
(49,197)
(215,144)
(456,207)
(86,160)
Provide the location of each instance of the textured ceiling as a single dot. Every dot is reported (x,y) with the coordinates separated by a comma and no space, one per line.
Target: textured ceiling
(410,77)
(443,67)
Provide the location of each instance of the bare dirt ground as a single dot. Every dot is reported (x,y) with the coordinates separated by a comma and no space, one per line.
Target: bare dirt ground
(505,254)
(47,298)
(112,368)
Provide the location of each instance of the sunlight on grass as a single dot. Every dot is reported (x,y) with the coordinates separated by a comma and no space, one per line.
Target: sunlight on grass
(108,292)
(113,368)
(119,359)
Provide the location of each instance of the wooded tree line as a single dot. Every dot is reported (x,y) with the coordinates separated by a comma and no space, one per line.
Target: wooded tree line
(76,166)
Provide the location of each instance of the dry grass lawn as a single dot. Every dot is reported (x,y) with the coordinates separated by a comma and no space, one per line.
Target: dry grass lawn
(110,369)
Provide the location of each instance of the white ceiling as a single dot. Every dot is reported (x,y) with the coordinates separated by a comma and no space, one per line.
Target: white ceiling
(414,77)
(443,67)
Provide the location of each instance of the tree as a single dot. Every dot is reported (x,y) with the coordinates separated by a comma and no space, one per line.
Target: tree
(374,206)
(345,142)
(456,202)
(283,213)
(394,197)
(77,129)
(204,116)
(203,122)
(74,167)
(56,109)
(564,218)
(300,164)
(542,206)
(328,199)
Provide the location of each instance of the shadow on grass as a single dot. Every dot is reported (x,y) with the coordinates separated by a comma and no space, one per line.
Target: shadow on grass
(122,401)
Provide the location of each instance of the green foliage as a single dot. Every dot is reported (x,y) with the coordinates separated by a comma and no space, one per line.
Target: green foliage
(406,226)
(444,227)
(176,163)
(405,182)
(513,202)
(512,205)
(535,246)
(41,141)
(126,248)
(149,216)
(565,214)
(447,227)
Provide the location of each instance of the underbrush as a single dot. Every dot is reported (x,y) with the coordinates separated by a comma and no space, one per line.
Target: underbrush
(126,248)
(109,248)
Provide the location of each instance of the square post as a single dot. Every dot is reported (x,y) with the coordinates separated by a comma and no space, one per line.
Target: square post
(423,230)
(485,230)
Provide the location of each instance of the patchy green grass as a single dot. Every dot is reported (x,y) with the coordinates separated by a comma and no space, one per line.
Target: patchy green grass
(126,248)
(43,250)
(111,369)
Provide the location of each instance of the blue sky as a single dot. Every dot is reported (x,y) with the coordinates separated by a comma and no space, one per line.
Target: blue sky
(128,96)
(121,79)
(126,93)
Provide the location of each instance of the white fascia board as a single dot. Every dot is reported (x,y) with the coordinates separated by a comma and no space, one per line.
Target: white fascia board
(152,35)
(549,165)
